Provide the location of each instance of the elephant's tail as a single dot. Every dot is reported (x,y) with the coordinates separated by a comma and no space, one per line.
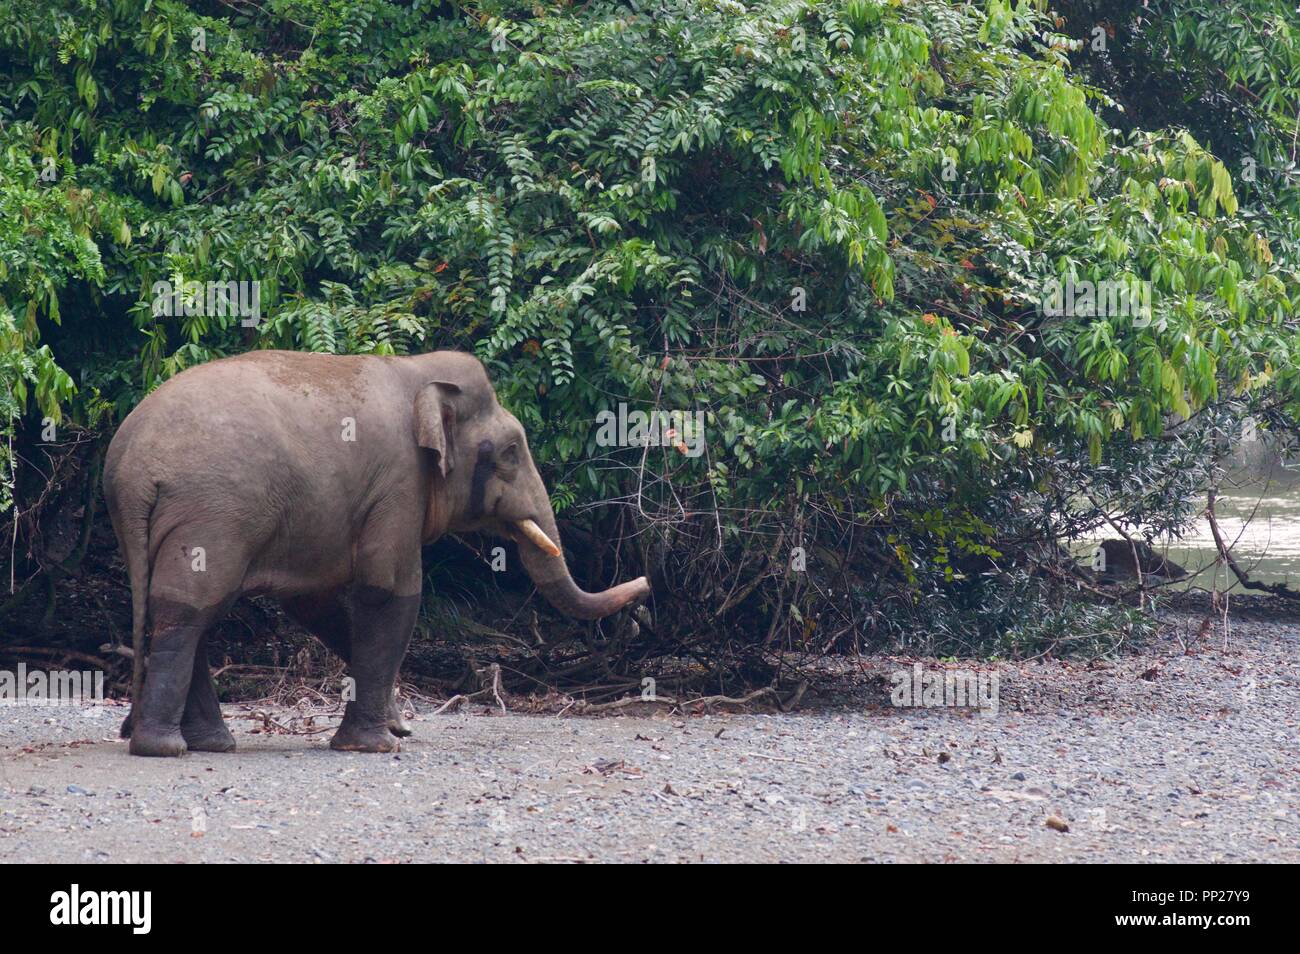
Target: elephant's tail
(131,521)
(137,565)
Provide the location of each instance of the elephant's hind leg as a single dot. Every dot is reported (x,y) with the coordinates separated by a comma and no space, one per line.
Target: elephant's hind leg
(327,617)
(188,594)
(156,718)
(202,726)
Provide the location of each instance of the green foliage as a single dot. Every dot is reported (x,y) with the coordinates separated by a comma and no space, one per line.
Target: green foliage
(827,225)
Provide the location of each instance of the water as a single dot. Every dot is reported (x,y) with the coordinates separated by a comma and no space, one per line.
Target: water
(1258,511)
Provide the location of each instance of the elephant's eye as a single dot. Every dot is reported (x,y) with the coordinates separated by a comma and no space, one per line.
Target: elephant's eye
(510,456)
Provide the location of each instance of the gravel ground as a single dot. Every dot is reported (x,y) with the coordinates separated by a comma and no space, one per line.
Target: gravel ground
(1168,755)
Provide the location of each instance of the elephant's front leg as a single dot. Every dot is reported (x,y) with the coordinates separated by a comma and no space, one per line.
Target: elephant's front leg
(328,617)
(381,630)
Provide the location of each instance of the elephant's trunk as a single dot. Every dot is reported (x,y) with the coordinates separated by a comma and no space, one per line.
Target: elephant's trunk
(551,574)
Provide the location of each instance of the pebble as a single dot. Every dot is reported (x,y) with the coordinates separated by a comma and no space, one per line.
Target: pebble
(1114,758)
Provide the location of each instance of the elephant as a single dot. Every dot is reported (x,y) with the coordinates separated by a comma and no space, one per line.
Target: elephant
(314,479)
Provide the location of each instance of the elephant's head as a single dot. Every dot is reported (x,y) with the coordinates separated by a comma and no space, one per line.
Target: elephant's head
(484,479)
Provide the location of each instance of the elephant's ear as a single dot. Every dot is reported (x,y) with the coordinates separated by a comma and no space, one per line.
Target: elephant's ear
(435,422)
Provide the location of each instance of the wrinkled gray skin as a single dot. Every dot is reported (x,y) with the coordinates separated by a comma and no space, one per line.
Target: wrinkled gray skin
(236,477)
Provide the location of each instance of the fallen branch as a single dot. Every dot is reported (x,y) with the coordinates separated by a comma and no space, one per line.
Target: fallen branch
(455,702)
(249,667)
(66,653)
(1276,589)
(583,707)
(271,724)
(765,692)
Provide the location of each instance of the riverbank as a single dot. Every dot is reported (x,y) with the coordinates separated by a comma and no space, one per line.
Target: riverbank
(1184,751)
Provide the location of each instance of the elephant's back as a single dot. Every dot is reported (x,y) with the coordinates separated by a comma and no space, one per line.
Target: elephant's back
(257,422)
(266,380)
(254,395)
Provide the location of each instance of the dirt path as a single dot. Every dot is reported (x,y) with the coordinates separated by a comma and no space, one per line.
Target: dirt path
(1161,757)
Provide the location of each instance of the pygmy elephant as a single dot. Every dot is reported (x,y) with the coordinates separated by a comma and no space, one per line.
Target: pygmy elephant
(315,479)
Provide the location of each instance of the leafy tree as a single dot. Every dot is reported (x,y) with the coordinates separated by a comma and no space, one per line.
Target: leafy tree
(835,228)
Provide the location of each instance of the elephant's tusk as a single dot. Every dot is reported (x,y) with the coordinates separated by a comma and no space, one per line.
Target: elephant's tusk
(537,536)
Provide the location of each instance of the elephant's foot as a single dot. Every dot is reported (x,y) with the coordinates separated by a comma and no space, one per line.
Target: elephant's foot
(208,737)
(364,738)
(125,731)
(156,742)
(396,724)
